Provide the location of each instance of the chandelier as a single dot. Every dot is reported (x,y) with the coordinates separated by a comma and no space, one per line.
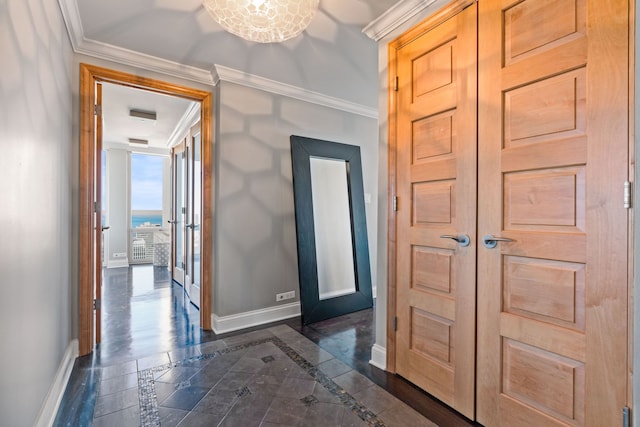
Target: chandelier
(263,21)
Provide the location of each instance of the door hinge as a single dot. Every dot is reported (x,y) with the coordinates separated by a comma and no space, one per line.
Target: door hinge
(396,84)
(96,206)
(626,417)
(97,304)
(97,110)
(395,203)
(627,195)
(395,324)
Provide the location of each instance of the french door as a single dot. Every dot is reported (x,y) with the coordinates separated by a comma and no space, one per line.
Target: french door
(187,212)
(179,207)
(536,236)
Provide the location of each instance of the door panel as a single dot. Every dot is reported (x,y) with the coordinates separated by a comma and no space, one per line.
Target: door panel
(436,189)
(197,213)
(552,304)
(187,205)
(193,203)
(188,216)
(179,213)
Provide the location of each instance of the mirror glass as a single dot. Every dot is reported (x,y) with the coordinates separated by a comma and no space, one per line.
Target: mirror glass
(332,225)
(331,229)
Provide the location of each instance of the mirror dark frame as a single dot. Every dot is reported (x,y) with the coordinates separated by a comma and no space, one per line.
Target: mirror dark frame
(314,309)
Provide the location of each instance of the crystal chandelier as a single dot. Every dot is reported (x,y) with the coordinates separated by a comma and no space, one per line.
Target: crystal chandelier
(263,21)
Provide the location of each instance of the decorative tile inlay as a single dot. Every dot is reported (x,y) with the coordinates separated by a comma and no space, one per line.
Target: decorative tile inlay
(149,414)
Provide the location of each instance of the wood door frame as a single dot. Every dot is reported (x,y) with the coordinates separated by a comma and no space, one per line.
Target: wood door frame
(631,233)
(448,11)
(89,76)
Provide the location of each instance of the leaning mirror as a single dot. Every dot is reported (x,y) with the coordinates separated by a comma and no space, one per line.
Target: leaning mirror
(333,251)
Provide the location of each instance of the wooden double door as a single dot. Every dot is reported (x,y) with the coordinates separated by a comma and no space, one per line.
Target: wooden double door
(509,243)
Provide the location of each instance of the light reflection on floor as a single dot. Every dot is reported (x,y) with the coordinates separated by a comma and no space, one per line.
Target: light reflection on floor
(144,312)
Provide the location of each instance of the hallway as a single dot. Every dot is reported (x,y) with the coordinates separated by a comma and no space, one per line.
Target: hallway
(144,312)
(156,367)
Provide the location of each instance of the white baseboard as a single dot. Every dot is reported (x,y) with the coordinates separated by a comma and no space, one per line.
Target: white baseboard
(49,409)
(248,319)
(379,357)
(118,263)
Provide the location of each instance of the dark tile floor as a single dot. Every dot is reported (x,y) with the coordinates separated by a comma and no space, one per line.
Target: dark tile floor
(155,367)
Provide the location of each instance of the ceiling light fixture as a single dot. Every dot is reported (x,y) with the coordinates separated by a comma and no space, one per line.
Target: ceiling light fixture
(263,21)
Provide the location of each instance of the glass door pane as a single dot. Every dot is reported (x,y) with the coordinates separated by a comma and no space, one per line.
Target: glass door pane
(188,256)
(179,213)
(197,207)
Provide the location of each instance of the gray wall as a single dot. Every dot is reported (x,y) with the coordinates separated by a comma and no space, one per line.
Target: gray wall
(37,219)
(118,169)
(255,224)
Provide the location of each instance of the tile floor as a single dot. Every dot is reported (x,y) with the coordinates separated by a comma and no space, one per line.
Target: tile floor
(271,377)
(156,367)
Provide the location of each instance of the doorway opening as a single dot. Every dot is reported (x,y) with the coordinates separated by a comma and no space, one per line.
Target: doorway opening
(91,219)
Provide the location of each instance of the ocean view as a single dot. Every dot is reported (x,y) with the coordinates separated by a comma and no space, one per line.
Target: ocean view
(153,220)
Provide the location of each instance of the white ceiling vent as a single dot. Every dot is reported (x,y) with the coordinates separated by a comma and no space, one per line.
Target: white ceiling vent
(137,141)
(143,115)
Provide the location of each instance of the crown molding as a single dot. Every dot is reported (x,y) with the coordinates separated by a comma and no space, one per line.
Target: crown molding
(227,74)
(393,18)
(141,60)
(71,16)
(82,45)
(188,119)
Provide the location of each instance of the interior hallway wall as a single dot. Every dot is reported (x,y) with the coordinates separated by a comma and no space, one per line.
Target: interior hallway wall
(255,224)
(38,183)
(118,206)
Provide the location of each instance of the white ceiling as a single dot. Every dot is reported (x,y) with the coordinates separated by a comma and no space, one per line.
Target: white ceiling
(119,126)
(332,57)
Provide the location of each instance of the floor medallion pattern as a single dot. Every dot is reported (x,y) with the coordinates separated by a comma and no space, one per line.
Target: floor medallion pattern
(265,369)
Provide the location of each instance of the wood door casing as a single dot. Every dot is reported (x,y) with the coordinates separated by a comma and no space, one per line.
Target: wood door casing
(553,158)
(89,76)
(436,190)
(97,249)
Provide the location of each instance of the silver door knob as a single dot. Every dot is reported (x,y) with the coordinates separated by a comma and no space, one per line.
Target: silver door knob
(462,239)
(491,242)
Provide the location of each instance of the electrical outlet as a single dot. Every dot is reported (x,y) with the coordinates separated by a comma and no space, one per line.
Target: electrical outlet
(285,295)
